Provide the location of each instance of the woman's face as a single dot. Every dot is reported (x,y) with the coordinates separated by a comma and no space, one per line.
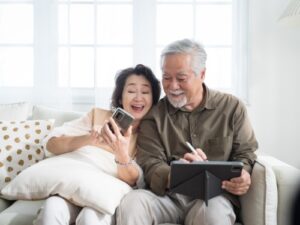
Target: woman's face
(137,96)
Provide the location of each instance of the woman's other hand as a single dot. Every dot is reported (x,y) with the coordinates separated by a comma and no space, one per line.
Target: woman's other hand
(64,144)
(94,138)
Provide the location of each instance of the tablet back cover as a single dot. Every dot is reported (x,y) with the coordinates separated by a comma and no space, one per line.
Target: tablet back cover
(202,179)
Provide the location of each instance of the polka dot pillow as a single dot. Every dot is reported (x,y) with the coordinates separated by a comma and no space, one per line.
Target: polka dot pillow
(21,146)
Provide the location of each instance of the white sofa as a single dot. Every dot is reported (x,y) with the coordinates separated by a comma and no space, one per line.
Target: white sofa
(268,201)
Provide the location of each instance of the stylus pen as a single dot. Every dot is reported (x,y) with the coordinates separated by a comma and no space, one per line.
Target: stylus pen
(191,147)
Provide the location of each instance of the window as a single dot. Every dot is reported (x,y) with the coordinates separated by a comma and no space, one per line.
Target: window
(93,42)
(77,46)
(16,44)
(207,21)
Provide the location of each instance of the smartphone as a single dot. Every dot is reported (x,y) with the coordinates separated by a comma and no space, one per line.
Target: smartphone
(122,118)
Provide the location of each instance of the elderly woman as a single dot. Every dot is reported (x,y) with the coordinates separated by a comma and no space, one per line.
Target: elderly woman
(136,90)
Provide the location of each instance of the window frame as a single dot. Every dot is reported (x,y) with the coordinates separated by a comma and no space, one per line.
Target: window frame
(45,47)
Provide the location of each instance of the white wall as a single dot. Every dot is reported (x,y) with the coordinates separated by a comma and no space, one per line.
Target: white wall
(274,81)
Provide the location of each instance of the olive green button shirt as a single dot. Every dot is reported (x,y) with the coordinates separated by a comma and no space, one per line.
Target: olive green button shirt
(219,126)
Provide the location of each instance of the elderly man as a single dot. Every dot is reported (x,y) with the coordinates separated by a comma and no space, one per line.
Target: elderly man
(214,122)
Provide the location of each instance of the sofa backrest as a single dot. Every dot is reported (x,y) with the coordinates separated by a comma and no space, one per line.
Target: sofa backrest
(15,111)
(24,111)
(60,116)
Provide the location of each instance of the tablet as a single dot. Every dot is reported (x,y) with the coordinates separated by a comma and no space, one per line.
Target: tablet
(202,179)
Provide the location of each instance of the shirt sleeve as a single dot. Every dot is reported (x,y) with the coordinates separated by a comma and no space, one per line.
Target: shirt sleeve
(244,141)
(152,158)
(77,127)
(140,183)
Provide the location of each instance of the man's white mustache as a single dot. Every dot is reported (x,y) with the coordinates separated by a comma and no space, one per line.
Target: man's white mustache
(178,92)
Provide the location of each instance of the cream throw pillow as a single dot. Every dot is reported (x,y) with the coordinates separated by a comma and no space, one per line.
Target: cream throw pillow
(20,146)
(85,177)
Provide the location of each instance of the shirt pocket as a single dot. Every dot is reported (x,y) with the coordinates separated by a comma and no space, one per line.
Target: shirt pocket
(219,148)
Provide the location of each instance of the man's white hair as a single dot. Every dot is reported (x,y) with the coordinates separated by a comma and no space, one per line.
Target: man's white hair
(190,47)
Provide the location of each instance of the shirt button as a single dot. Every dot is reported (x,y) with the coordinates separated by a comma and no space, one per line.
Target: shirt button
(194,135)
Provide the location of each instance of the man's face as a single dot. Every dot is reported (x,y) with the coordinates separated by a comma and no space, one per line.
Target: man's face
(181,85)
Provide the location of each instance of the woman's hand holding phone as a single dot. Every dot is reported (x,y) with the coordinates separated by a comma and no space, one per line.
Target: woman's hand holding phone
(117,140)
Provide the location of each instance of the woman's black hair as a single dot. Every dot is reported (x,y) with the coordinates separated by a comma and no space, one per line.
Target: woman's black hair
(139,70)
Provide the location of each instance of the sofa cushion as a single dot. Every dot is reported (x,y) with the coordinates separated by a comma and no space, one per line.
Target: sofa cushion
(85,177)
(15,111)
(60,117)
(4,204)
(20,213)
(20,146)
(259,205)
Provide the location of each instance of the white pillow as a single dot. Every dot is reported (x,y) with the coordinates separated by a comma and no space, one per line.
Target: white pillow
(20,146)
(83,177)
(15,111)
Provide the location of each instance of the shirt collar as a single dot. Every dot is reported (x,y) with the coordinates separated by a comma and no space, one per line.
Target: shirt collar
(207,102)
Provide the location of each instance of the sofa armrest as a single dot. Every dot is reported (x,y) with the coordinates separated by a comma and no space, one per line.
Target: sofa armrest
(288,181)
(270,195)
(259,205)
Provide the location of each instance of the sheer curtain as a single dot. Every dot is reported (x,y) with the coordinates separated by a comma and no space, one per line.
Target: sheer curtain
(45,88)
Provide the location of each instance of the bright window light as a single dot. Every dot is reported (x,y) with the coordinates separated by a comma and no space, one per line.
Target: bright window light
(110,61)
(82,44)
(112,29)
(173,22)
(16,23)
(17,64)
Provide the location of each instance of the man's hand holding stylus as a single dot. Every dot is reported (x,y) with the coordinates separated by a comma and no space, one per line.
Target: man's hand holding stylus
(198,156)
(195,154)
